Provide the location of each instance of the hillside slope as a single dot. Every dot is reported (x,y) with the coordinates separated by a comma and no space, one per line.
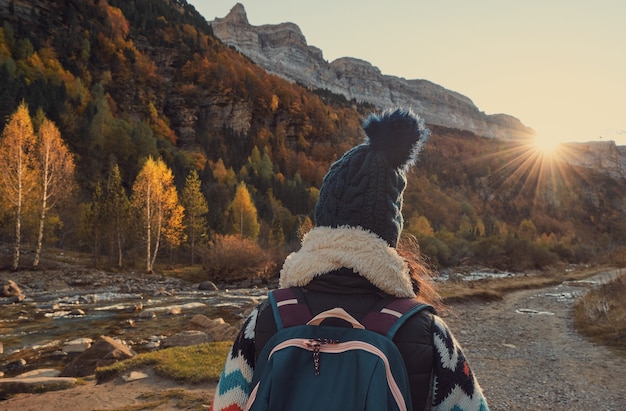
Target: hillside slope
(125,80)
(282,49)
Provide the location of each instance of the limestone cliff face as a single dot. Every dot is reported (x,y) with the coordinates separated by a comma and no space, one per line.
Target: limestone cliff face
(282,49)
(604,156)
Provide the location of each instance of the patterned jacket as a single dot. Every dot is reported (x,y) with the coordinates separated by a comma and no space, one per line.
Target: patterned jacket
(354,269)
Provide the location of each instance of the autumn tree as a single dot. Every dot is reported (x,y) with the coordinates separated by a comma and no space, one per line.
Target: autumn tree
(260,169)
(117,212)
(117,24)
(93,222)
(527,230)
(196,209)
(155,198)
(305,225)
(17,179)
(244,214)
(420,226)
(55,174)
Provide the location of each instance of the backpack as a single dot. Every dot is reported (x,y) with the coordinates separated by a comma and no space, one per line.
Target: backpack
(309,364)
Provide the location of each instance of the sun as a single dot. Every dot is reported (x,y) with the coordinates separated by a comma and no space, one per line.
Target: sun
(546,146)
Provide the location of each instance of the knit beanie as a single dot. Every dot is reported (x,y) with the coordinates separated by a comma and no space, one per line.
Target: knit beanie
(364,187)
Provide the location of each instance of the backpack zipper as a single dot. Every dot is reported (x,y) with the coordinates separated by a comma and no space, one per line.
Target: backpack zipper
(316,345)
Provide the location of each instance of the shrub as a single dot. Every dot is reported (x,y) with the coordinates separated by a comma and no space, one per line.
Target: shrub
(490,251)
(232,258)
(601,316)
(436,250)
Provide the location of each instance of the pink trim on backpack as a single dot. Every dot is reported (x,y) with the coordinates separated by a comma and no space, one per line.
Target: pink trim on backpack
(337,348)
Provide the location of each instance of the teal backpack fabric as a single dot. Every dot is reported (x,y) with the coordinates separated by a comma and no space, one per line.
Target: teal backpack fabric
(332,361)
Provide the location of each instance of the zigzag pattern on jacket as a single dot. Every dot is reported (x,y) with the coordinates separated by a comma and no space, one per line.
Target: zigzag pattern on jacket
(234,387)
(454,384)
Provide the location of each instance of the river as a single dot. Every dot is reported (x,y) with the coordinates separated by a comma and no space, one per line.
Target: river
(137,310)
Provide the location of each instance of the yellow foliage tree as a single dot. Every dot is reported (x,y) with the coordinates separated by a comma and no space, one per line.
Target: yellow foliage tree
(244,214)
(55,172)
(527,230)
(420,226)
(196,208)
(156,199)
(17,178)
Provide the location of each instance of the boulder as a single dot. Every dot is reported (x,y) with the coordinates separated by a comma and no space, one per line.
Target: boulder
(134,376)
(14,366)
(77,345)
(187,338)
(218,329)
(177,310)
(8,288)
(43,372)
(202,320)
(12,386)
(207,286)
(105,351)
(77,312)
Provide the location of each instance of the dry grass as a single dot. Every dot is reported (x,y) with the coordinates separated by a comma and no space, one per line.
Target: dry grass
(494,288)
(192,273)
(601,315)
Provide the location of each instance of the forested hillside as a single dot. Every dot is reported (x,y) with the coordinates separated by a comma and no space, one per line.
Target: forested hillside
(143,95)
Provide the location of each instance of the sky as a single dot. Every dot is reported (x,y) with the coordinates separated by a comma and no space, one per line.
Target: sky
(557,65)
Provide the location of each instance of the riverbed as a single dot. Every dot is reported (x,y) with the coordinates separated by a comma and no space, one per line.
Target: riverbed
(139,309)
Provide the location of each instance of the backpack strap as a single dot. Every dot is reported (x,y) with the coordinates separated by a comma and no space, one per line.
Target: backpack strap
(289,307)
(393,315)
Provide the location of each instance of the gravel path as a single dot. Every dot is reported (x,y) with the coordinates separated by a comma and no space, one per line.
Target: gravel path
(527,355)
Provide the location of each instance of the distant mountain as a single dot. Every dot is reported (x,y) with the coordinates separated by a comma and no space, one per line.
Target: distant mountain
(282,49)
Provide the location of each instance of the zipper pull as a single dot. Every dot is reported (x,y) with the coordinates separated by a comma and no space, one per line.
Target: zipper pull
(315,345)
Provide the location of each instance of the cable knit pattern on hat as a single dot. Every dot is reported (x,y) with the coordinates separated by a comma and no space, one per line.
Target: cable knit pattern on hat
(364,187)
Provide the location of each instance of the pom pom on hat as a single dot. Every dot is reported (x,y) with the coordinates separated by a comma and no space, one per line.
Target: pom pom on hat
(400,134)
(364,187)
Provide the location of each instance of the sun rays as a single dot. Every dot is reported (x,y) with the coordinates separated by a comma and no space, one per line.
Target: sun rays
(535,172)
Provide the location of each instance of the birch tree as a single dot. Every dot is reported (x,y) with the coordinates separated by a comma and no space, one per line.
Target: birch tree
(17,178)
(54,164)
(156,199)
(196,209)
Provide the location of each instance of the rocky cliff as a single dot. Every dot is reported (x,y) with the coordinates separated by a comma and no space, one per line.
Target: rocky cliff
(282,49)
(604,156)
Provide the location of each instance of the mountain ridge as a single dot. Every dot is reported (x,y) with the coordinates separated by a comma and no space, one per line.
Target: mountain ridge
(282,49)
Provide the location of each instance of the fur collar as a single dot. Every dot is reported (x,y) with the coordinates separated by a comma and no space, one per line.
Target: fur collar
(325,249)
